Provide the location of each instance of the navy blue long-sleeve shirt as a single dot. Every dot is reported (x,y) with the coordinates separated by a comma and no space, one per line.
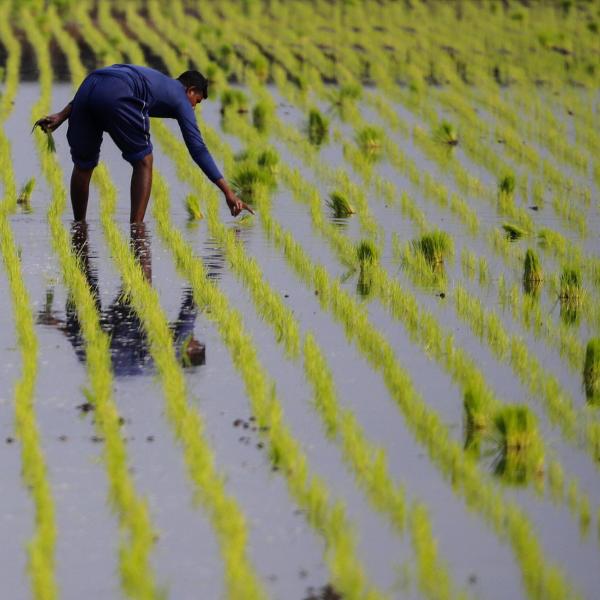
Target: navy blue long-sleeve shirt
(166,97)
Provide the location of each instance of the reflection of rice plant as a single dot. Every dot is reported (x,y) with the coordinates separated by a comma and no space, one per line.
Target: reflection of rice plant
(261,116)
(192,205)
(339,205)
(519,452)
(25,195)
(318,127)
(513,232)
(591,371)
(234,100)
(476,419)
(370,140)
(446,134)
(532,273)
(434,246)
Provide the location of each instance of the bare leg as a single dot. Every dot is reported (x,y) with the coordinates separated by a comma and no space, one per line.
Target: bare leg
(80,189)
(141,184)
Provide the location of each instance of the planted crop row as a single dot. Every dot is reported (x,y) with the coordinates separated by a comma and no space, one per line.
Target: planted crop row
(285,452)
(42,545)
(136,573)
(367,460)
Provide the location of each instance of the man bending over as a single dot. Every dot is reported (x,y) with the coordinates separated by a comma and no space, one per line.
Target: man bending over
(120,99)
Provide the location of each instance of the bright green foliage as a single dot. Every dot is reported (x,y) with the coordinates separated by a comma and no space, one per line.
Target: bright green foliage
(24,197)
(370,141)
(434,246)
(506,184)
(339,205)
(192,205)
(233,100)
(520,454)
(571,288)
(247,179)
(262,116)
(446,134)
(318,127)
(532,270)
(513,232)
(591,371)
(268,160)
(367,253)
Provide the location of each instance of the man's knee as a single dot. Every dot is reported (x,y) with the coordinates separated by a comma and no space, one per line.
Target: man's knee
(145,162)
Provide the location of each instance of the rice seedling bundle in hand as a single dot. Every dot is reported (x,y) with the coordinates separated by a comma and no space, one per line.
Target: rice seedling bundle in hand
(50,144)
(591,371)
(339,205)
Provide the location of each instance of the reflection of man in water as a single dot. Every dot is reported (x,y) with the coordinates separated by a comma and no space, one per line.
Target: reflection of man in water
(128,342)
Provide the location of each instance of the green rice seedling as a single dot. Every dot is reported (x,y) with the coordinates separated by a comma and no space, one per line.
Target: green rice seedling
(446,134)
(434,246)
(346,93)
(268,160)
(317,128)
(513,232)
(24,197)
(591,371)
(261,116)
(476,410)
(367,253)
(570,288)
(50,144)
(519,451)
(533,275)
(234,100)
(506,184)
(370,140)
(247,179)
(192,205)
(339,205)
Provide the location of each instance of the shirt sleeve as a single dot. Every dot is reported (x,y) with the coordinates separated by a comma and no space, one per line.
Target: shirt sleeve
(194,142)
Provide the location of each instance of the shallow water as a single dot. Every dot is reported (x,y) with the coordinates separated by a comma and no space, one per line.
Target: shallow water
(286,550)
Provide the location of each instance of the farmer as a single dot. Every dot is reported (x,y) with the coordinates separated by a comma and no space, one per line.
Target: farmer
(120,99)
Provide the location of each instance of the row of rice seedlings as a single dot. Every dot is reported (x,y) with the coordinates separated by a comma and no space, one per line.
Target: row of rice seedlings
(286,453)
(506,518)
(137,577)
(519,146)
(367,460)
(42,545)
(365,276)
(507,188)
(225,515)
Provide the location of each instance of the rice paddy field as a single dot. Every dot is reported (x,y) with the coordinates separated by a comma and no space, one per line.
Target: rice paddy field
(383,385)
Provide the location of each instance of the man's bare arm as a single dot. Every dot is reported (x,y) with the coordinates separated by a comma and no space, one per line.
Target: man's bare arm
(53,122)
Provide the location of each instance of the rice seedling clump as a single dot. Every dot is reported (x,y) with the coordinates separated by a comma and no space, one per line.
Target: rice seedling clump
(234,100)
(318,127)
(434,246)
(591,371)
(370,140)
(571,289)
(446,134)
(339,205)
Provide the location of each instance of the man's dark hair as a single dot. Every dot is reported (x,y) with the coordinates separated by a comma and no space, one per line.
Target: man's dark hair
(195,79)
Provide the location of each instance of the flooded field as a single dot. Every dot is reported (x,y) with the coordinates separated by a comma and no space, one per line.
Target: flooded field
(384,384)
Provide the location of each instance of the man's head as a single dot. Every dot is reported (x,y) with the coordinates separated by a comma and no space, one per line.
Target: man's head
(196,86)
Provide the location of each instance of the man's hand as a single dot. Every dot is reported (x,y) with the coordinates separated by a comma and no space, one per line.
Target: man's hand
(236,206)
(50,123)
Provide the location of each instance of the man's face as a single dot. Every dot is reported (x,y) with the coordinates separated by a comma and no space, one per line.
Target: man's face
(194,96)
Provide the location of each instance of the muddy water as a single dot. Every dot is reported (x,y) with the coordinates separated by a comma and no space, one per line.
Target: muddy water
(286,551)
